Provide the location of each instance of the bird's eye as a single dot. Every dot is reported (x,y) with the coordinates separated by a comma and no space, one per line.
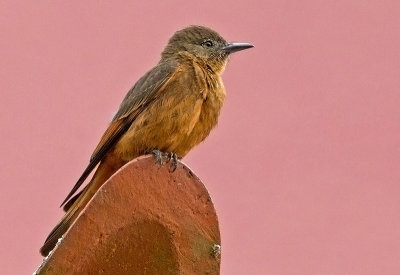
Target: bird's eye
(207,43)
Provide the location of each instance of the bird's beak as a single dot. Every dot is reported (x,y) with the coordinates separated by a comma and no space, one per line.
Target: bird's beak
(235,47)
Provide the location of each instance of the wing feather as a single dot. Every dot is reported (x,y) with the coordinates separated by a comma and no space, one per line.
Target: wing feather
(135,102)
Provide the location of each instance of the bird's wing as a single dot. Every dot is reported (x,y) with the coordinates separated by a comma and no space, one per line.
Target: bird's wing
(138,98)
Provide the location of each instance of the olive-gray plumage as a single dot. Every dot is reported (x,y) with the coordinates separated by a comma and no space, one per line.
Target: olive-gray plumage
(172,108)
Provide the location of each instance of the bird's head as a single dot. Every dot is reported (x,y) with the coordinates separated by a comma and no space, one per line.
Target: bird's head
(203,44)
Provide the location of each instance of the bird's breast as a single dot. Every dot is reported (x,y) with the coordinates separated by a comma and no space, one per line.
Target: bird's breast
(181,117)
(207,109)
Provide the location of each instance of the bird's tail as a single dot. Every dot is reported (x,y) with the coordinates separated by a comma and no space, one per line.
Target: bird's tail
(60,229)
(72,200)
(77,204)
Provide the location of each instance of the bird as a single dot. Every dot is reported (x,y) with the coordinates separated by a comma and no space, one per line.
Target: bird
(171,108)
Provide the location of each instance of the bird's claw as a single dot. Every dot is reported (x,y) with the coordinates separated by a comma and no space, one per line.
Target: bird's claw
(174,161)
(158,155)
(172,157)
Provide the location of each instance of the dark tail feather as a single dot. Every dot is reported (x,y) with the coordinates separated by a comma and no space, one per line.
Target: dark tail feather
(60,229)
(75,206)
(52,239)
(71,201)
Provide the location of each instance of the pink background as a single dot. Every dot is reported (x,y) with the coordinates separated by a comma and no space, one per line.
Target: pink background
(303,167)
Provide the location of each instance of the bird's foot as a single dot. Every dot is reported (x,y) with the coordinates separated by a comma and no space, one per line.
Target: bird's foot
(158,155)
(173,158)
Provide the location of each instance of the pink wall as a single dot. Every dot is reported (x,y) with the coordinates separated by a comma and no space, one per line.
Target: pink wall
(303,167)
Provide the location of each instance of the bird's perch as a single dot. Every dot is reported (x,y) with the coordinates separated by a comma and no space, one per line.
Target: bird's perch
(144,220)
